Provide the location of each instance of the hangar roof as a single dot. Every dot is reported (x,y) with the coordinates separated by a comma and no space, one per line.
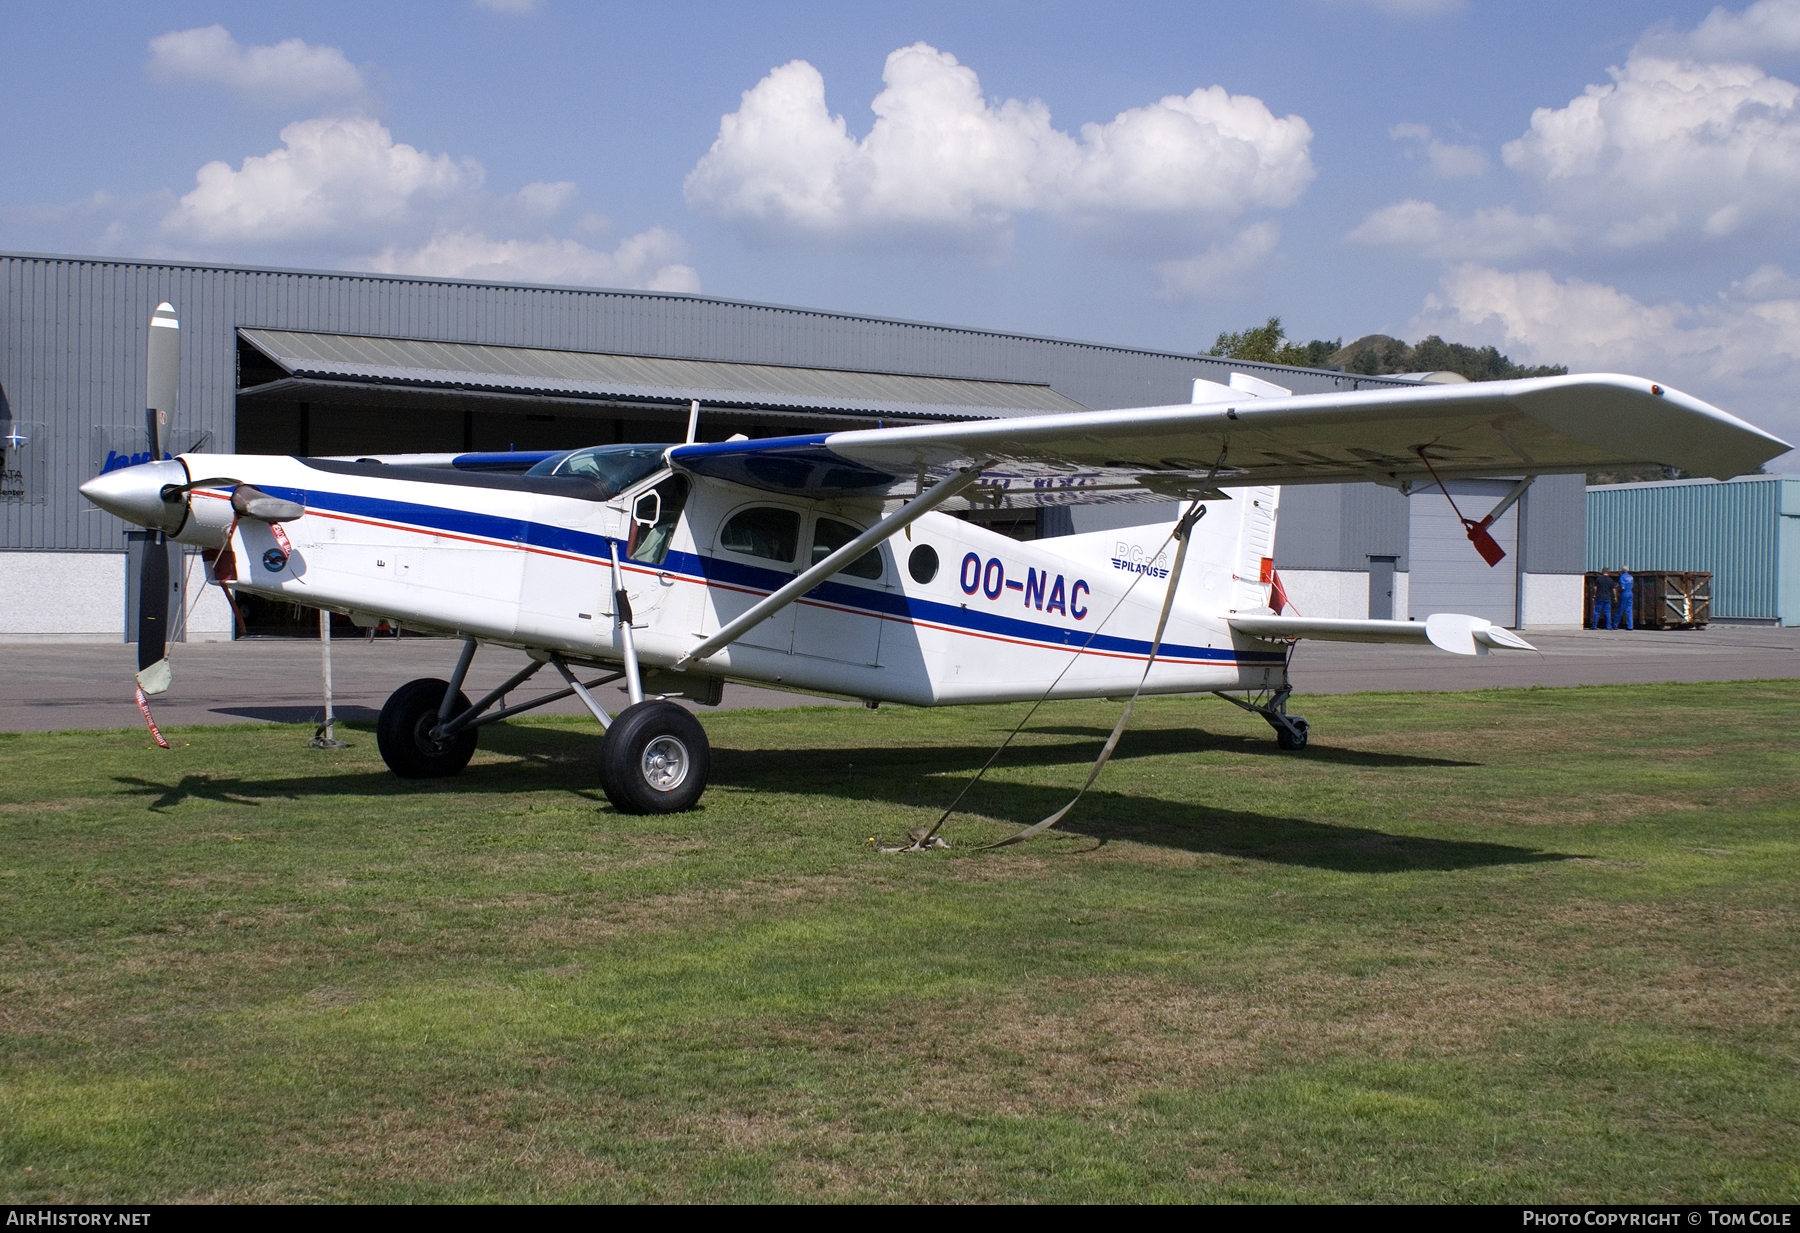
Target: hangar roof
(321,363)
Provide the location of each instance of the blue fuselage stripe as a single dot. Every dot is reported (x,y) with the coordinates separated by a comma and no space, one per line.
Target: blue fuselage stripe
(892,604)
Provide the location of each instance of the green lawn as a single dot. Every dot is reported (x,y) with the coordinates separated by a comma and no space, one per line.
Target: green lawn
(1505,946)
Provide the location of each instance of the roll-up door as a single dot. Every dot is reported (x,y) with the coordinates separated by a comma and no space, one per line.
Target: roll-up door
(1448,575)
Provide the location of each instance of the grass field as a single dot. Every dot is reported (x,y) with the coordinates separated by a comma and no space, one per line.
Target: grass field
(1507,946)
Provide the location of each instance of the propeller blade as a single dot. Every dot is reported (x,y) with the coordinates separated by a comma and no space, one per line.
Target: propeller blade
(165,377)
(153,603)
(153,587)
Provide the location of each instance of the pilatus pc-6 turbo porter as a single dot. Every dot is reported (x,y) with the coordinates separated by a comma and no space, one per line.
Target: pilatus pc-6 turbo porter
(830,563)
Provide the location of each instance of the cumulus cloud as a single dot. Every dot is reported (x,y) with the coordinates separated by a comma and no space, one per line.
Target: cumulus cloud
(1486,235)
(331,176)
(542,199)
(1765,282)
(101,223)
(1740,351)
(652,260)
(1669,148)
(944,166)
(1220,267)
(1669,153)
(1448,160)
(341,189)
(288,71)
(1765,29)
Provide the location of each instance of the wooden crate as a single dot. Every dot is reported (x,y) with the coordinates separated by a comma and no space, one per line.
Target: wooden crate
(1660,599)
(1671,599)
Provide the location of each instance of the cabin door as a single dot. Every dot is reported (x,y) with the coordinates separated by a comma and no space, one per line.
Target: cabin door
(838,618)
(754,556)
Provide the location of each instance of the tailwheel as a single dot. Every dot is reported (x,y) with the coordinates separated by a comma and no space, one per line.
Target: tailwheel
(403,733)
(1290,730)
(1290,733)
(654,759)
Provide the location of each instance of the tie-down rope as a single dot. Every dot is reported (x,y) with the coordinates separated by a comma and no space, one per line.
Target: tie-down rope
(1181,532)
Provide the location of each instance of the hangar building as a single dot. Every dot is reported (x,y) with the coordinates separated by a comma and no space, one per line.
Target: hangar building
(1744,532)
(332,363)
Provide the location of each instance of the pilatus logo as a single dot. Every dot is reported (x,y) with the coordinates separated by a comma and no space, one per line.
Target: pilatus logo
(1132,559)
(274,560)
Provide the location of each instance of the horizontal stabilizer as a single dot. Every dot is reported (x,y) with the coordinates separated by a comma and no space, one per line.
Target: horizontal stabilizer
(1448,631)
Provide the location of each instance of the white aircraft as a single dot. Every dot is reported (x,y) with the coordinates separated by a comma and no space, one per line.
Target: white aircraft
(826,563)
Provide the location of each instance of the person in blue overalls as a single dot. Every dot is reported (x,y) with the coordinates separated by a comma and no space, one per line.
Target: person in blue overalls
(1604,589)
(1625,581)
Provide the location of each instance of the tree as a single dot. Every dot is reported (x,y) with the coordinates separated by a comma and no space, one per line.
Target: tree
(1378,355)
(1268,344)
(1375,355)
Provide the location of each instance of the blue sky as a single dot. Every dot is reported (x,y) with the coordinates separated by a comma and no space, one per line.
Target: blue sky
(1612,185)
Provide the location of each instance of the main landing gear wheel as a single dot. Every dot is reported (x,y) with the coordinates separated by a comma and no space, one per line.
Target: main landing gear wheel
(654,759)
(403,733)
(1291,733)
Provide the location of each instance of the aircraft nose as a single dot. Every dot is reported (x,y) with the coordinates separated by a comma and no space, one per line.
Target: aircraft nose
(135,494)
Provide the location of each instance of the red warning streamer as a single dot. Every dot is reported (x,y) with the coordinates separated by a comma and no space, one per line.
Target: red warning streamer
(144,706)
(1278,594)
(1485,544)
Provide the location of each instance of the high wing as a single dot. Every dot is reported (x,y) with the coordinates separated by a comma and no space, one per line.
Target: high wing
(1398,437)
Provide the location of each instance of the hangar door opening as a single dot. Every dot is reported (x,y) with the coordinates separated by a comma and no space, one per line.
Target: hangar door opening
(1448,575)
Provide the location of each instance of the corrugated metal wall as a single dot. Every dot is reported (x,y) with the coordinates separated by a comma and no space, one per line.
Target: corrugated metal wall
(73,340)
(1339,526)
(1745,532)
(1551,537)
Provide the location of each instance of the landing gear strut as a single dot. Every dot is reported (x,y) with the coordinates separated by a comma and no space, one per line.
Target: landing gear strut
(653,759)
(1290,730)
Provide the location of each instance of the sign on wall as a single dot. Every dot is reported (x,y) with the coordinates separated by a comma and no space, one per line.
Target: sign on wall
(24,463)
(125,445)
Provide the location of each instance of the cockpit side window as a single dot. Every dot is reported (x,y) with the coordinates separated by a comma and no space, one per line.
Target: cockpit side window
(829,535)
(650,545)
(764,531)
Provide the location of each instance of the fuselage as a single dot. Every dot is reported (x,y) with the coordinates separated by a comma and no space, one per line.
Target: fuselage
(947,612)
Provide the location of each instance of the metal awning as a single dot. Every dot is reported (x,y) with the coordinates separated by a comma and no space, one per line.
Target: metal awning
(342,367)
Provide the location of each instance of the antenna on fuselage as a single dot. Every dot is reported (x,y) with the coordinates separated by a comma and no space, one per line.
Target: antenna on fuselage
(693,420)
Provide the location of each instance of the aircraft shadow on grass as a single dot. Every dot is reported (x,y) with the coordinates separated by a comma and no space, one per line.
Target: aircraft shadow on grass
(928,776)
(300,714)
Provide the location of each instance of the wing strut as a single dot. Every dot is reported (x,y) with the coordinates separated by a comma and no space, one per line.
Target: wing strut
(901,518)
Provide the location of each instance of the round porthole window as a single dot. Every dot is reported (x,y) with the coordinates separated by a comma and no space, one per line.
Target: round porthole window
(923,563)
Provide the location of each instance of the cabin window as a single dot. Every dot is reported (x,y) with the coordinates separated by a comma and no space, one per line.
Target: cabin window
(829,535)
(763,531)
(650,544)
(923,563)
